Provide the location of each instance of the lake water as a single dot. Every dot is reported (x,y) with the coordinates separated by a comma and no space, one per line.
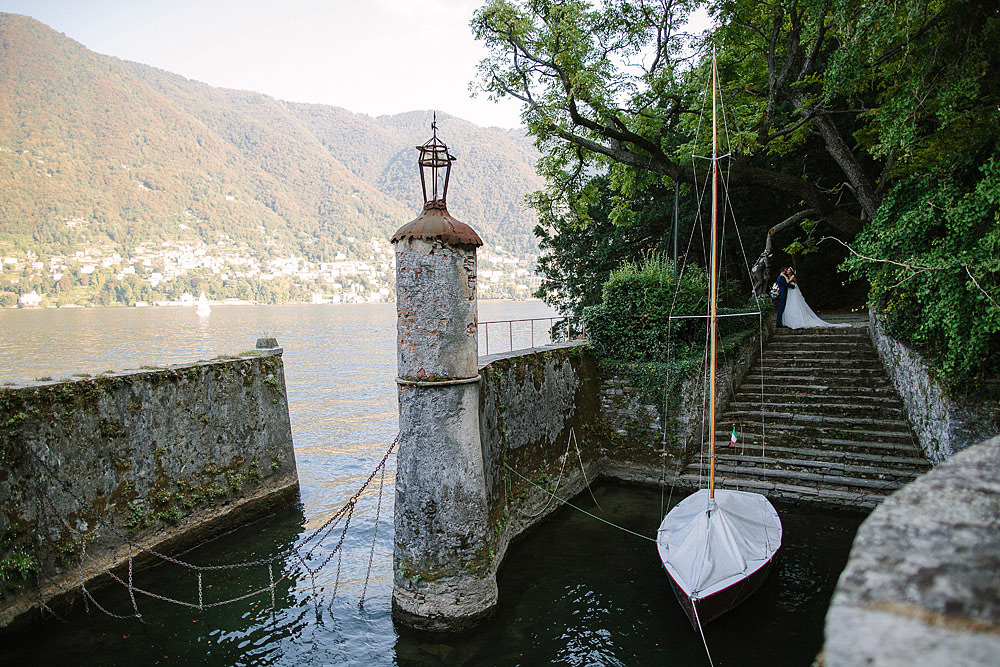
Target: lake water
(573,592)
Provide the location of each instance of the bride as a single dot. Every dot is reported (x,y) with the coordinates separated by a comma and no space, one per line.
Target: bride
(798,314)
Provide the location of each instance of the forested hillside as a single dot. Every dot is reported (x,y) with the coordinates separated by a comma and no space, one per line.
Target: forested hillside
(494,171)
(99,152)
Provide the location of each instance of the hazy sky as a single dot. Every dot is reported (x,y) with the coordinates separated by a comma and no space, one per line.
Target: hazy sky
(370,56)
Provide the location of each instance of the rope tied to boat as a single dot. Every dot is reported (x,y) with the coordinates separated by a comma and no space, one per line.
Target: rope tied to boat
(577,508)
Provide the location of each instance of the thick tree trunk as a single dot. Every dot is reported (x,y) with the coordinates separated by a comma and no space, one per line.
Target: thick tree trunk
(838,149)
(760,274)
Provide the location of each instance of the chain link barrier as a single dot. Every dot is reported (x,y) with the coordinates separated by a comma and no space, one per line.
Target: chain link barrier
(297,551)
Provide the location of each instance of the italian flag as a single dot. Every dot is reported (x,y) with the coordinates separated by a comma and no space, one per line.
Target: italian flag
(732,439)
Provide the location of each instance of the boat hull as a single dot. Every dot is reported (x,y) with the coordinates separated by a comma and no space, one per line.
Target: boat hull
(712,606)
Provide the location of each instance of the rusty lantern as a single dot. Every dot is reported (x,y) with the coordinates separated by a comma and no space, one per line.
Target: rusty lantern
(434,222)
(434,157)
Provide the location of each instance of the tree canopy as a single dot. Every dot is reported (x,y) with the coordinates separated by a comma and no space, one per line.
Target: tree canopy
(838,112)
(872,89)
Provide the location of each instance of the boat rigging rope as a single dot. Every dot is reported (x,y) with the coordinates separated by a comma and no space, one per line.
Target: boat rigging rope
(694,608)
(579,509)
(571,440)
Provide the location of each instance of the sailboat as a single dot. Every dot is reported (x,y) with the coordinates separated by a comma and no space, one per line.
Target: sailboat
(204,310)
(717,545)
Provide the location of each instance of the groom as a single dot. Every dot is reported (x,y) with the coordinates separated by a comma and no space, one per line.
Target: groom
(783,286)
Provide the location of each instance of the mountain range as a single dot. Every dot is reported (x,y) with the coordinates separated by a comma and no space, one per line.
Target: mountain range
(98,151)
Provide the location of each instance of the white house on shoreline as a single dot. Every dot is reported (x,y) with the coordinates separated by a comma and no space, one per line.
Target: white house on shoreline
(30,300)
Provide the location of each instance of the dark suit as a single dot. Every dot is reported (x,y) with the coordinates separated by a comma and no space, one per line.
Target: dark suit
(783,287)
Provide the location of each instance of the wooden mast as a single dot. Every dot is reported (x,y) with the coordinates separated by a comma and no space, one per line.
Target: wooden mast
(714,281)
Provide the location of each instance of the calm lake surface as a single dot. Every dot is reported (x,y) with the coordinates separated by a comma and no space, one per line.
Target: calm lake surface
(574,592)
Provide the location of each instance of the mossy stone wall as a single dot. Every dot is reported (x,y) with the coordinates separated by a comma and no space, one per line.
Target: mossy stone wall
(943,424)
(145,455)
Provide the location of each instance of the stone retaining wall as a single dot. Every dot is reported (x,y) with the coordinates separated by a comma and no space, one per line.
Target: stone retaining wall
(537,418)
(943,425)
(155,456)
(921,585)
(635,415)
(552,418)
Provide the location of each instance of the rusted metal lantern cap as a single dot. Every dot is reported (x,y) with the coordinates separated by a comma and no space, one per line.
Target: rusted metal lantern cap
(435,223)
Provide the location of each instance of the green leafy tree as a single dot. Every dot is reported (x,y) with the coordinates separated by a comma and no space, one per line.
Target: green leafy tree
(832,105)
(932,257)
(577,256)
(608,87)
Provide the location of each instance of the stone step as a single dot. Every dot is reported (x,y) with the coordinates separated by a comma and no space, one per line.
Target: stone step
(895,459)
(803,477)
(805,365)
(833,437)
(808,395)
(906,455)
(845,351)
(813,361)
(799,359)
(862,344)
(827,389)
(782,462)
(818,420)
(779,346)
(822,334)
(845,375)
(830,387)
(864,499)
(840,356)
(751,391)
(801,405)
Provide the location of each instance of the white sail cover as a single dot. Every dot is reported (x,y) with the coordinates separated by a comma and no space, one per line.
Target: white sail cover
(706,552)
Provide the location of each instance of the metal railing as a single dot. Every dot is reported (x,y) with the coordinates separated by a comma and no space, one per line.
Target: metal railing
(527,335)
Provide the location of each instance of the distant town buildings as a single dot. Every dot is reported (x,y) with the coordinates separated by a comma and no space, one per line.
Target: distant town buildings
(30,299)
(165,272)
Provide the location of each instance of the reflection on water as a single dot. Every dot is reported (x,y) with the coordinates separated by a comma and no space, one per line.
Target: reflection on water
(574,592)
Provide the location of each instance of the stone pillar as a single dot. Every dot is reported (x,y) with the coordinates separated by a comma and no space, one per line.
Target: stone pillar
(444,577)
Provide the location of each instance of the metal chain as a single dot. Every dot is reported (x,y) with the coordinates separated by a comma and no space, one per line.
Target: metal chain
(131,588)
(318,536)
(371,554)
(270,576)
(336,582)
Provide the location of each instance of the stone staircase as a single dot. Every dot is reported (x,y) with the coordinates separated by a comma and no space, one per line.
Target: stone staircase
(834,428)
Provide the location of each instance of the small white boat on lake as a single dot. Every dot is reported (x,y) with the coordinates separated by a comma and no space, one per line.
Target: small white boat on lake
(204,310)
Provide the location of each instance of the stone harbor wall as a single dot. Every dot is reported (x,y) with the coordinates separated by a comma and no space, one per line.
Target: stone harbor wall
(159,457)
(538,411)
(943,425)
(633,408)
(921,585)
(538,425)
(547,423)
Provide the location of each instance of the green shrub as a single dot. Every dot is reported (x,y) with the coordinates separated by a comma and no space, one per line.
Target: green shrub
(17,566)
(632,323)
(935,272)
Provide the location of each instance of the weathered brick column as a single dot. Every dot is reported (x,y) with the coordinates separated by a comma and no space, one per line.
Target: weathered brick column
(444,579)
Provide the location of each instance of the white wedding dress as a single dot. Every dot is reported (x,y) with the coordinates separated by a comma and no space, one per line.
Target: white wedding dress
(798,314)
